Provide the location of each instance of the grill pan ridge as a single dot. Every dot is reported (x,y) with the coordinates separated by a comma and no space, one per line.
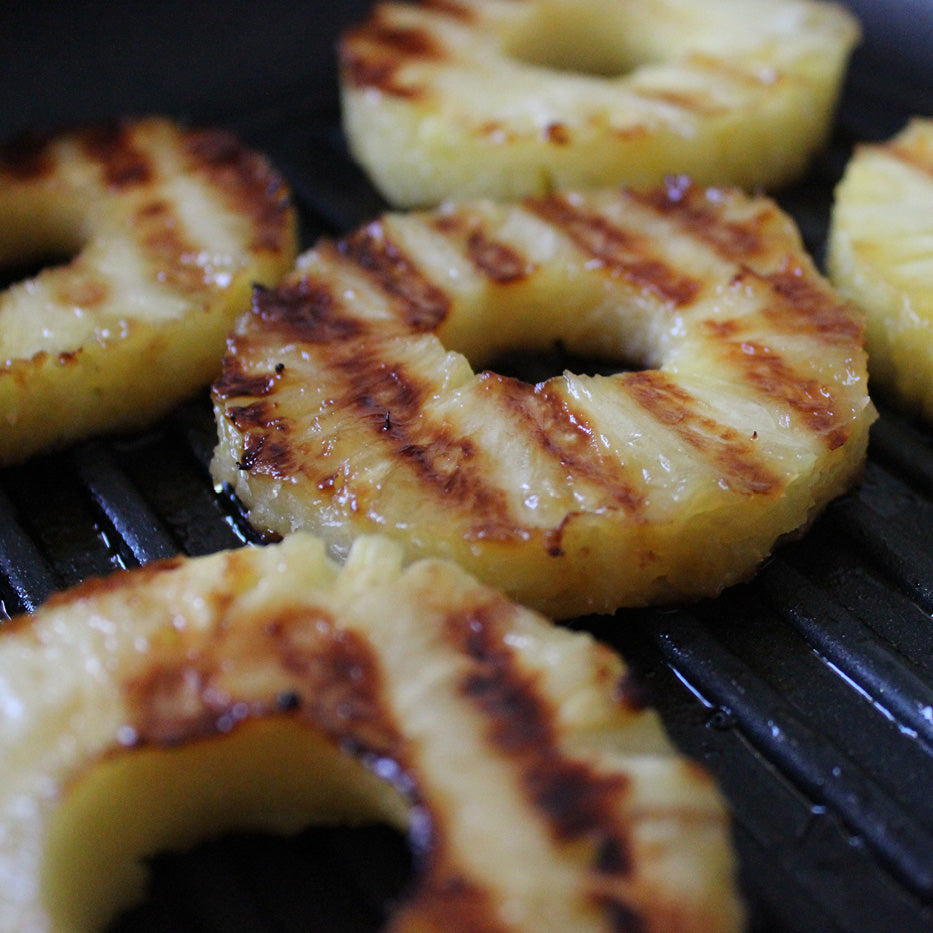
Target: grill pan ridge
(808,692)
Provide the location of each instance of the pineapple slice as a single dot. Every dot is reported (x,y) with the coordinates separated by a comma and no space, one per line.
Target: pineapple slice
(350,404)
(168,228)
(880,255)
(472,98)
(268,687)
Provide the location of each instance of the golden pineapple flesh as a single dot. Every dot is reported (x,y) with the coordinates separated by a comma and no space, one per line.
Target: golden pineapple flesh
(167,229)
(501,99)
(269,687)
(880,255)
(354,397)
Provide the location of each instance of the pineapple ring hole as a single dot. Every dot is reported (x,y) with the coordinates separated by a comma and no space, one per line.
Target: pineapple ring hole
(541,365)
(21,271)
(590,40)
(269,775)
(288,867)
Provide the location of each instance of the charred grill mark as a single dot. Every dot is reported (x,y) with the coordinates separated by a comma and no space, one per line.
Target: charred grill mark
(497,261)
(267,445)
(123,164)
(81,289)
(803,306)
(622,252)
(266,453)
(329,679)
(234,382)
(160,233)
(733,453)
(577,804)
(424,305)
(794,304)
(771,375)
(563,434)
(694,210)
(558,133)
(392,404)
(247,183)
(372,55)
(258,414)
(304,311)
(337,677)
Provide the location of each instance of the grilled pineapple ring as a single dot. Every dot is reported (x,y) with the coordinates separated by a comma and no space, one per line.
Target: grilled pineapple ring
(878,255)
(168,228)
(268,688)
(500,98)
(349,405)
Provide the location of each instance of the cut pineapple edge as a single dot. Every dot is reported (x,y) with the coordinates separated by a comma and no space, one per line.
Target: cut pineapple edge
(163,229)
(484,98)
(880,256)
(268,687)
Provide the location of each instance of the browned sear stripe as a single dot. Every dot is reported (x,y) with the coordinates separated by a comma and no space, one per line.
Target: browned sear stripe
(734,454)
(372,54)
(123,164)
(392,403)
(424,304)
(234,382)
(297,663)
(248,184)
(564,435)
(577,804)
(497,261)
(770,374)
(304,311)
(623,252)
(689,205)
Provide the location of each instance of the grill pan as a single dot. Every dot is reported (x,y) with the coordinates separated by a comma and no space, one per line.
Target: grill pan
(808,692)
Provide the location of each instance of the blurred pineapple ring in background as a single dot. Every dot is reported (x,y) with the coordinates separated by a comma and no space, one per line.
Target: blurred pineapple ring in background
(349,402)
(501,98)
(879,255)
(163,230)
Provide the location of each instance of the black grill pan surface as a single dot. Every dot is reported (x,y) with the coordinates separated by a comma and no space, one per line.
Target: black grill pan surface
(808,692)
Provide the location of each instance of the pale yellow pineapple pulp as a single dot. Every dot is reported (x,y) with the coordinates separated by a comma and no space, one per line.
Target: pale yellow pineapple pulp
(880,255)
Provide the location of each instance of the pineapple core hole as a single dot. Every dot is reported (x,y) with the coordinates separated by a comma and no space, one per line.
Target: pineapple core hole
(541,365)
(590,39)
(267,776)
(317,879)
(14,273)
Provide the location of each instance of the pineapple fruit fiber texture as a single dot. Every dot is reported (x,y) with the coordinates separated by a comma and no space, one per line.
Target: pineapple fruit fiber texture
(164,229)
(354,398)
(879,256)
(269,687)
(504,98)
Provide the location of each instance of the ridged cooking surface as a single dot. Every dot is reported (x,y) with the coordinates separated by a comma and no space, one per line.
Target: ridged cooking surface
(809,692)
